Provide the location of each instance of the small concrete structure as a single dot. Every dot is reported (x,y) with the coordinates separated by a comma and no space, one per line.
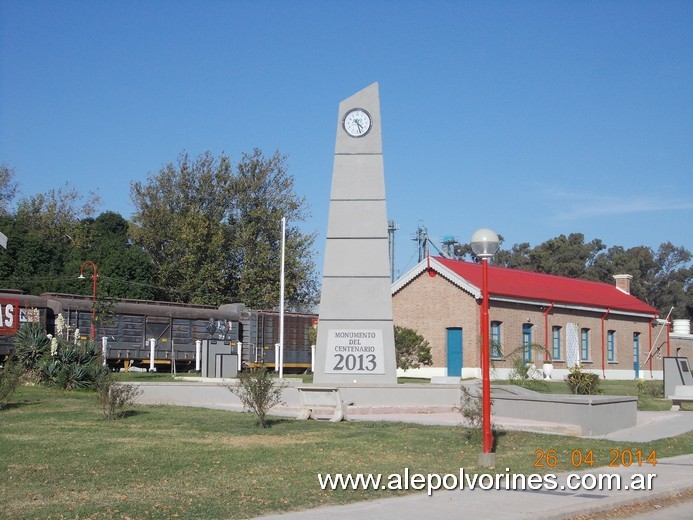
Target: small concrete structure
(678,381)
(594,414)
(315,399)
(682,394)
(219,358)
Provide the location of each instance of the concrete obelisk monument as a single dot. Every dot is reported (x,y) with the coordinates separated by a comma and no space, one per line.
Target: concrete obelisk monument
(355,331)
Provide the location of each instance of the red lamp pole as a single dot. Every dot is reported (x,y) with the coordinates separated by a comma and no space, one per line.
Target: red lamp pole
(485,363)
(93,307)
(484,244)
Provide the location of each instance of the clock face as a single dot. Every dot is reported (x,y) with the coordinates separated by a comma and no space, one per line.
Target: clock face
(357,122)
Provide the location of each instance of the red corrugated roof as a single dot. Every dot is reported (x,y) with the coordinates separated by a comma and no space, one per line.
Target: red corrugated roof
(527,285)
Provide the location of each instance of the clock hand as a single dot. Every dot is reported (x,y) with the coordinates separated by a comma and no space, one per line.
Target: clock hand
(358,123)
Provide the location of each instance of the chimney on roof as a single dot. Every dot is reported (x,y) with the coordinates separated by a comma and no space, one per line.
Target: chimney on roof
(623,282)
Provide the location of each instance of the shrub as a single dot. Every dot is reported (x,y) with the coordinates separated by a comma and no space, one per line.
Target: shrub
(114,398)
(582,383)
(472,409)
(650,388)
(9,380)
(258,392)
(411,349)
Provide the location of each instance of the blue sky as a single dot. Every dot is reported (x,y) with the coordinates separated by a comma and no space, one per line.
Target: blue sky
(533,118)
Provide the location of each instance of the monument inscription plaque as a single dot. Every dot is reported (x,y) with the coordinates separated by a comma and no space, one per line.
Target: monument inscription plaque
(354,352)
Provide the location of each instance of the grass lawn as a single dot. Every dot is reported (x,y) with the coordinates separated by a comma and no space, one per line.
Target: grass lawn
(59,458)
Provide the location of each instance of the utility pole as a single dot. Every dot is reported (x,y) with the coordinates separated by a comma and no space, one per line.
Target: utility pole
(421,239)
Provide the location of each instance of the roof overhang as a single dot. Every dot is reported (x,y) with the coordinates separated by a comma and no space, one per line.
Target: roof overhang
(573,307)
(431,264)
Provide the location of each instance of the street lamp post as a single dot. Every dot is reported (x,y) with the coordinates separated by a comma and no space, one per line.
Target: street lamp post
(484,245)
(93,307)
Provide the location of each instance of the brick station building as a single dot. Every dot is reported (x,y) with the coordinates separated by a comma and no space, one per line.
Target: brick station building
(599,326)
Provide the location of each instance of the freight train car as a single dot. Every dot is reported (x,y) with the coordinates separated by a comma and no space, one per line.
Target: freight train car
(31,308)
(130,326)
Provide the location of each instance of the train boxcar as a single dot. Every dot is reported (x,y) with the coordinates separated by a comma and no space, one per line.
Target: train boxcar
(31,308)
(129,326)
(260,333)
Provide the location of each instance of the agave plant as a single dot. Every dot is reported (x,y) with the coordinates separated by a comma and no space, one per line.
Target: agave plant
(31,344)
(72,366)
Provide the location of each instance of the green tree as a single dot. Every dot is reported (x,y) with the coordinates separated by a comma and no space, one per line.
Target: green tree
(411,349)
(57,214)
(125,270)
(672,280)
(41,235)
(214,233)
(180,221)
(264,193)
(8,188)
(565,256)
(517,257)
(32,262)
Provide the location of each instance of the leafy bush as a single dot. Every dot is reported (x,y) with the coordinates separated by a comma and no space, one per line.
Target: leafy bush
(650,388)
(582,383)
(258,392)
(114,398)
(10,375)
(411,349)
(472,409)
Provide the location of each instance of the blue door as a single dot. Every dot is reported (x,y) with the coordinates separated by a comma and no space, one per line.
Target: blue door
(636,355)
(454,341)
(526,342)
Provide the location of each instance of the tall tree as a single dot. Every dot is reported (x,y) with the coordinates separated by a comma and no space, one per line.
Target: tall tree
(41,235)
(214,233)
(264,193)
(517,257)
(57,214)
(180,221)
(125,270)
(8,188)
(565,256)
(672,280)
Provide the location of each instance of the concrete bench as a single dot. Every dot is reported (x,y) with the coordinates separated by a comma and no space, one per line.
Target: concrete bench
(315,398)
(682,394)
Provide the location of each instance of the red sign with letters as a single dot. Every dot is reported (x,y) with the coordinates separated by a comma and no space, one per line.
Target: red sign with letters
(9,316)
